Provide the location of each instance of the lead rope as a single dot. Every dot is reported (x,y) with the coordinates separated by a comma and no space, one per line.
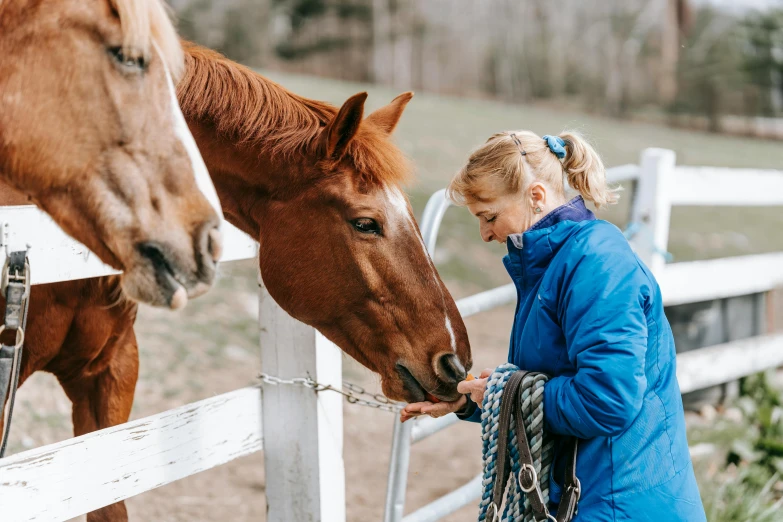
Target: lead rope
(16,289)
(512,426)
(531,394)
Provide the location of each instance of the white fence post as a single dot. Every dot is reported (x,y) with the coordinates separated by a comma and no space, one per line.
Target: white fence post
(652,207)
(303,431)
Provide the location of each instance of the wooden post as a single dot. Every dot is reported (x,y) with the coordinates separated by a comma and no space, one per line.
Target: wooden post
(652,207)
(303,431)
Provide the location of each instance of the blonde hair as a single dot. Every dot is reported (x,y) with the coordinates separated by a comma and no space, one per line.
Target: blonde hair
(144,22)
(514,160)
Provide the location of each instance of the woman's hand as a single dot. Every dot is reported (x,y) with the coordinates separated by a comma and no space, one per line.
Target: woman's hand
(433,409)
(475,388)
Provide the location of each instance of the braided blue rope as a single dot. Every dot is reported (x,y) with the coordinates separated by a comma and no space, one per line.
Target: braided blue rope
(517,507)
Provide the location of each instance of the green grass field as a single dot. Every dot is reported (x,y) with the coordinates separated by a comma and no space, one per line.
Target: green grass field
(438,133)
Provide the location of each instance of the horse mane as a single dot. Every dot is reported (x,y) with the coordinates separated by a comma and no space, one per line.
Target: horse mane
(146,23)
(247,107)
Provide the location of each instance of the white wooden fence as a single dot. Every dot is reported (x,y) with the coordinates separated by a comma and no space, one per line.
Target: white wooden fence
(302,431)
(302,435)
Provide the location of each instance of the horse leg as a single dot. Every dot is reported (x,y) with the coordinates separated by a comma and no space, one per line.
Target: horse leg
(103,400)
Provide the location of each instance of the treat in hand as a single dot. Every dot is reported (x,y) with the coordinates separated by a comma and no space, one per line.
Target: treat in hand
(432,398)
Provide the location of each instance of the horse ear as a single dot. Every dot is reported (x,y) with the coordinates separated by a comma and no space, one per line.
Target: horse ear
(339,132)
(387,117)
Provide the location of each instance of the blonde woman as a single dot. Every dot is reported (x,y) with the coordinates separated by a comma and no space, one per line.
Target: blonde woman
(590,315)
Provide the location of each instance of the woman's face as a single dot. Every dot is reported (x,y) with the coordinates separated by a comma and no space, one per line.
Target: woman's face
(502,216)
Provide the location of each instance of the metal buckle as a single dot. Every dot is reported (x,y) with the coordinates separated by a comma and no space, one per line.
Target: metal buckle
(495,513)
(19,335)
(23,279)
(15,287)
(533,476)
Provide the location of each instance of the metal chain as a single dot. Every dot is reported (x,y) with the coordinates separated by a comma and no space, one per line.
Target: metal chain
(352,393)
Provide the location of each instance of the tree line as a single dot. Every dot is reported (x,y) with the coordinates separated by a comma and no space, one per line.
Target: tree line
(668,59)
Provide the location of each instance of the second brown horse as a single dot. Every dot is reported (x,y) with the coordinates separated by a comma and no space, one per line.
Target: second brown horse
(90,132)
(339,248)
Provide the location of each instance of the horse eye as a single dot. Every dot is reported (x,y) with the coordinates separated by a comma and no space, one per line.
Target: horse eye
(366,226)
(129,62)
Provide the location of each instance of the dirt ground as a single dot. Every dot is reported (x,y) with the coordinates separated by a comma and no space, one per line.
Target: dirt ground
(211,348)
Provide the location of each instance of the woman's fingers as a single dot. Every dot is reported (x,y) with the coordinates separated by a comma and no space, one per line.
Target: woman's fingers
(432,409)
(405,416)
(466,387)
(443,408)
(437,410)
(413,410)
(477,394)
(415,407)
(475,388)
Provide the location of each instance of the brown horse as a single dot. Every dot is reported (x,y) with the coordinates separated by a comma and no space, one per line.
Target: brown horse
(339,248)
(88,133)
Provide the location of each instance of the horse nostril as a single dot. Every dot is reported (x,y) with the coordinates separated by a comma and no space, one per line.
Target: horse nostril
(154,252)
(449,369)
(215,244)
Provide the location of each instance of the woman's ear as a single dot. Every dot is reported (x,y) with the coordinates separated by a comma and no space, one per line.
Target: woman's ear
(538,196)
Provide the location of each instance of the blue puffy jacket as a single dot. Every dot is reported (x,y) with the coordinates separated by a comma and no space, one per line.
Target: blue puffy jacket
(590,315)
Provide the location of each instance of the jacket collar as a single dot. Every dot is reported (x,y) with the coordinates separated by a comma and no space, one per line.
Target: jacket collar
(530,252)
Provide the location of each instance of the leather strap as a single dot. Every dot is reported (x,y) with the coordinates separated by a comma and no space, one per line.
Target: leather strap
(572,488)
(6,371)
(16,281)
(15,290)
(507,402)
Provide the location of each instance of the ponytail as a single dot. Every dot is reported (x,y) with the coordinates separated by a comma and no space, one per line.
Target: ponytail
(585,171)
(509,161)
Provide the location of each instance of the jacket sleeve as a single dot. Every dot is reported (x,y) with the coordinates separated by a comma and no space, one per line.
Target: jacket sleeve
(471,412)
(602,313)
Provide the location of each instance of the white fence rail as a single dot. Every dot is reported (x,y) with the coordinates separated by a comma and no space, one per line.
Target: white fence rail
(713,186)
(696,281)
(64,480)
(660,185)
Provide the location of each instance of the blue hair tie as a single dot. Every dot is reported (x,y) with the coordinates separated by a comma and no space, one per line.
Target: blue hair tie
(556,145)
